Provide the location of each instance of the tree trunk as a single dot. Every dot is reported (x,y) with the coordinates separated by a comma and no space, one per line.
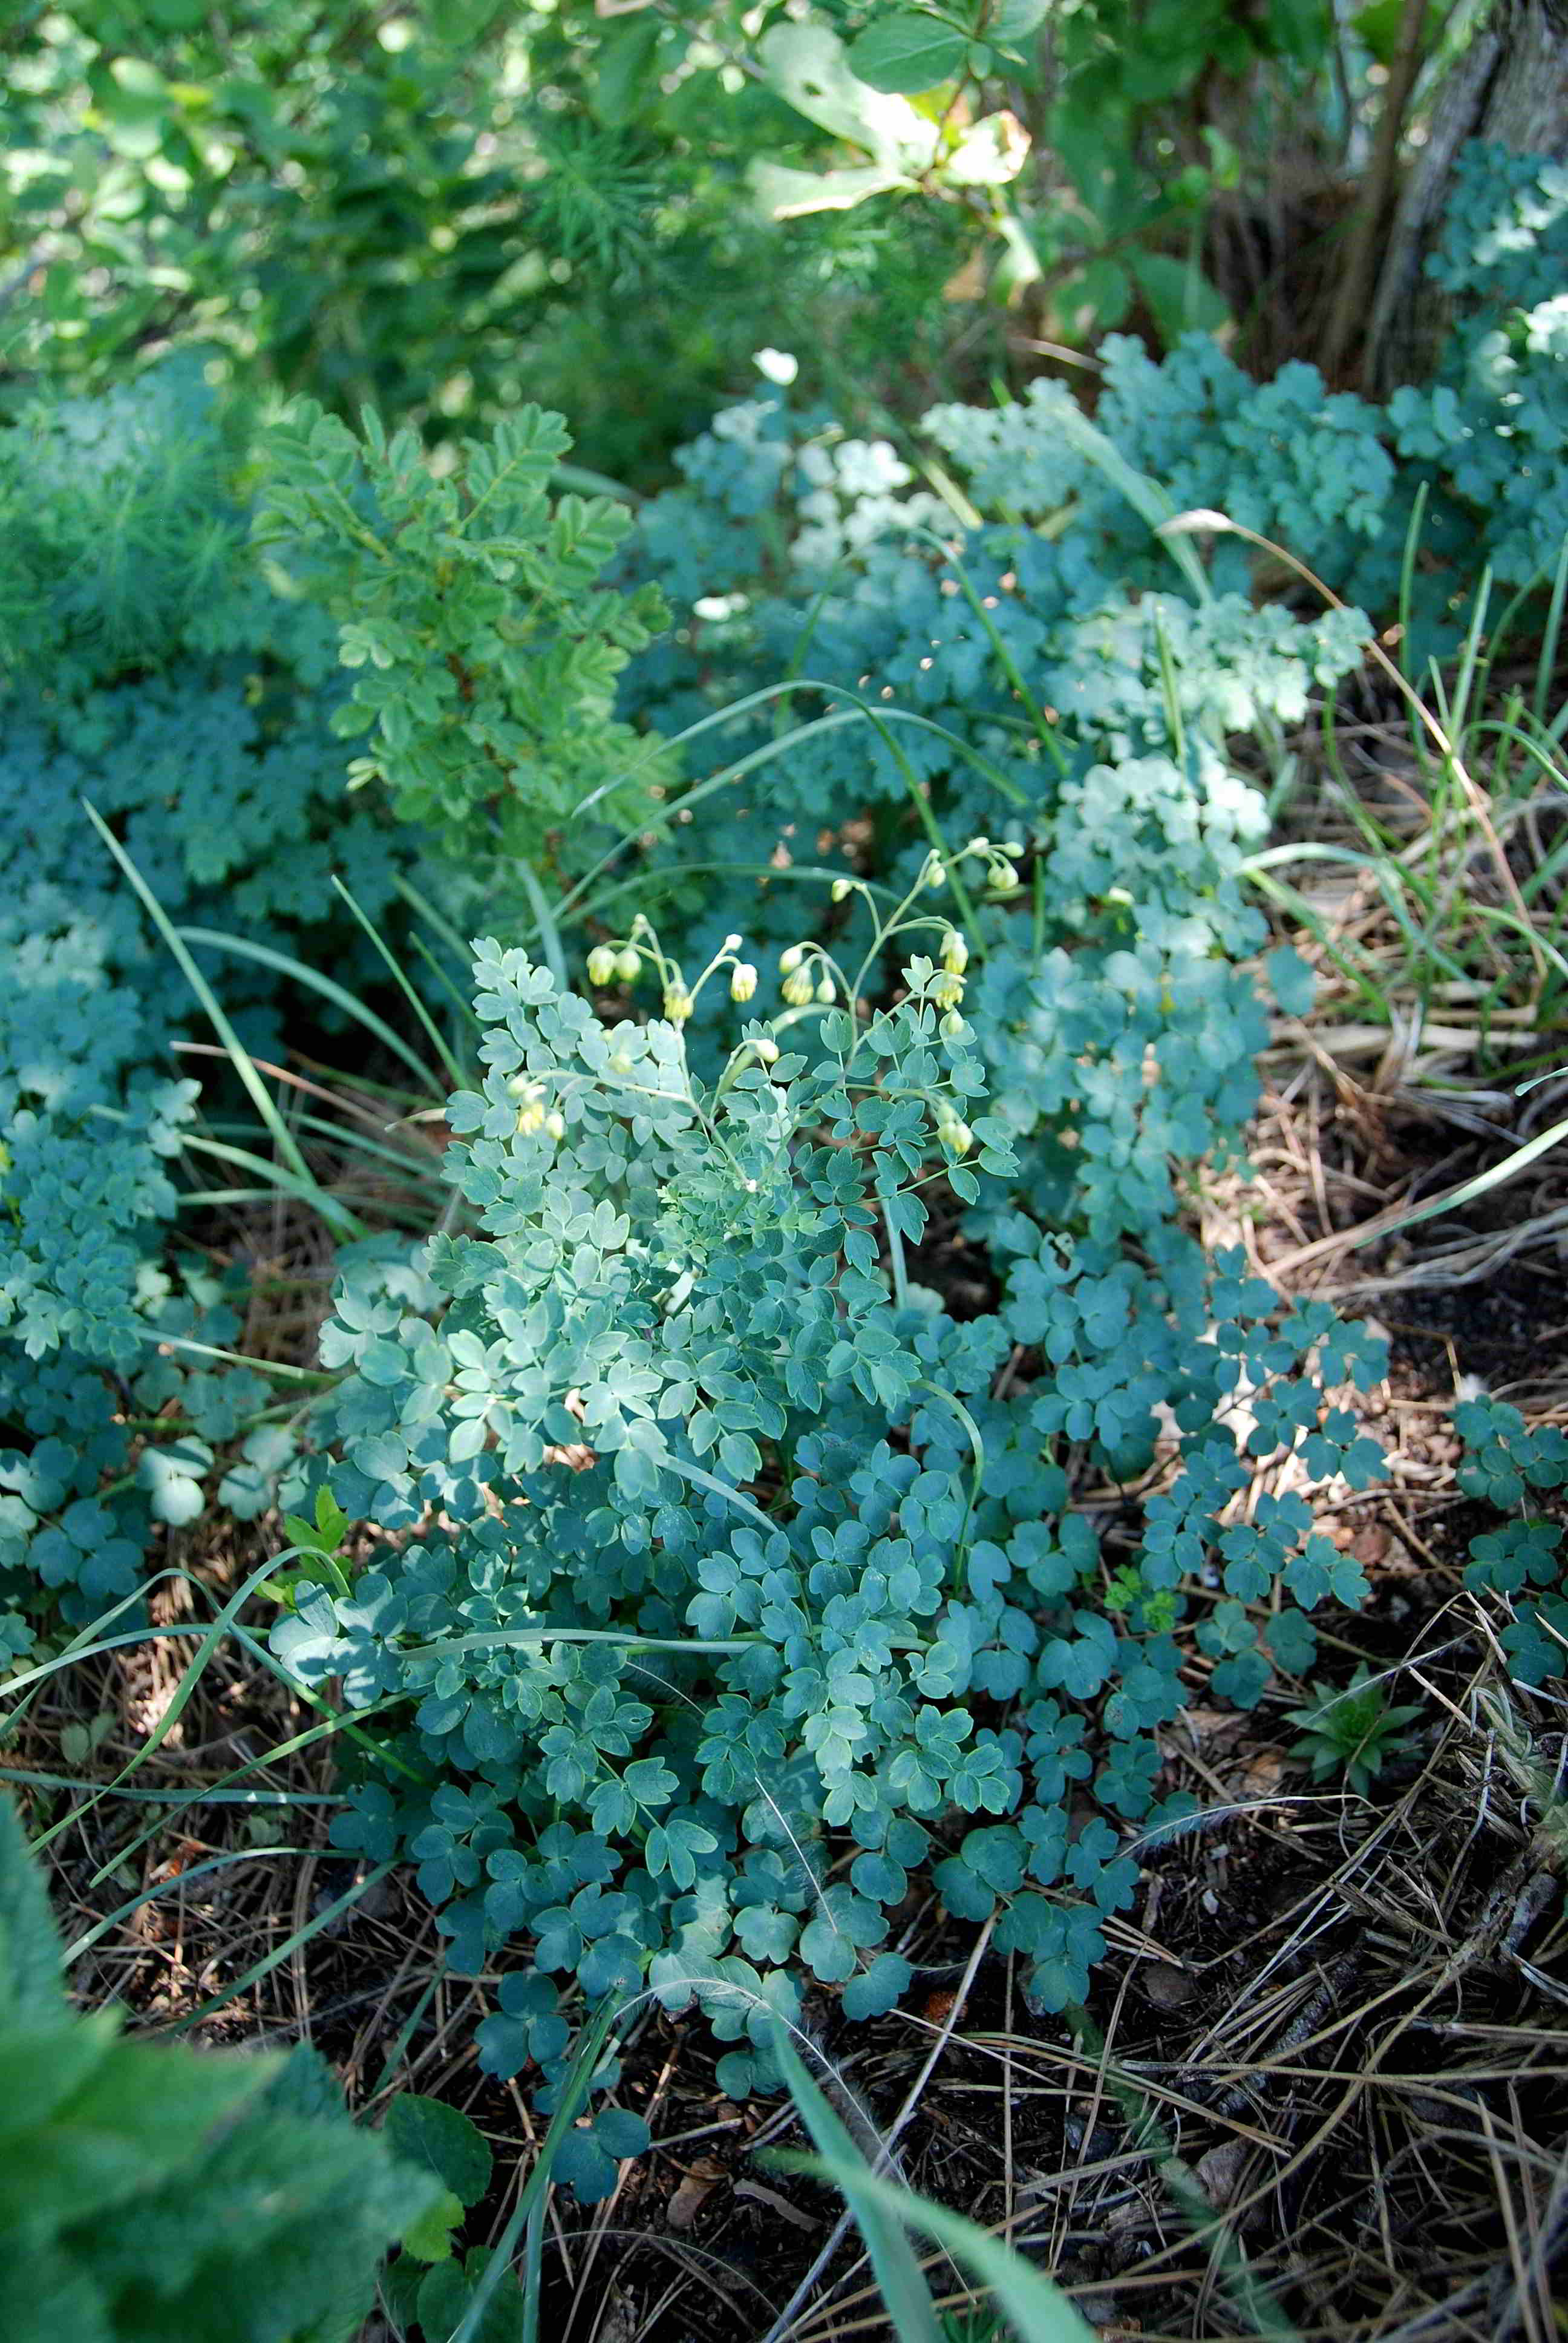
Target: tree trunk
(1509,86)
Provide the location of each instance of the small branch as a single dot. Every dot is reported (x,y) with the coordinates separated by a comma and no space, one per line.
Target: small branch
(1353,302)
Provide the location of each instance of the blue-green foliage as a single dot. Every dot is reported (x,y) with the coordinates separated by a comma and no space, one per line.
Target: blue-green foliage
(910,657)
(182,672)
(733,1551)
(1495,419)
(1522,1560)
(741,1545)
(1285,458)
(1331,476)
(152,668)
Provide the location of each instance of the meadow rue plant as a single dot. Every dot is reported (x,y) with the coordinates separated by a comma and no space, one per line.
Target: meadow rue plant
(729,1547)
(151,667)
(1504,1464)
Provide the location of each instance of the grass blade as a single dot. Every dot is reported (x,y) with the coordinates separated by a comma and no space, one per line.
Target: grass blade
(281,1953)
(879,2221)
(238,1055)
(111,1920)
(275,1182)
(1452,1198)
(299,972)
(584,2062)
(438,1040)
(1546,665)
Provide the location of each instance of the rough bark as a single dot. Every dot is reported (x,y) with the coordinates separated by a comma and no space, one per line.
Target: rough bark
(1510,86)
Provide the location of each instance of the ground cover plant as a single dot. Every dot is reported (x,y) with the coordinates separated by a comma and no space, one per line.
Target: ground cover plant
(645,1130)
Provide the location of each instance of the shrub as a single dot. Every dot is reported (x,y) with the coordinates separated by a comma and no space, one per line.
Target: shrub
(437,215)
(485,657)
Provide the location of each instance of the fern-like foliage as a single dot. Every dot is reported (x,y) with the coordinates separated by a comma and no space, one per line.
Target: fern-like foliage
(485,657)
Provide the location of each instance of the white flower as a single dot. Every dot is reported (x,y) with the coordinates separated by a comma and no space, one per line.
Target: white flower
(602,963)
(742,980)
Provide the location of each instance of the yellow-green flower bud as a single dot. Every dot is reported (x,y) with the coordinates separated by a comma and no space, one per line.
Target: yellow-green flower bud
(826,989)
(742,980)
(933,874)
(602,963)
(948,991)
(1004,880)
(952,1027)
(556,1123)
(956,1137)
(767,1050)
(629,964)
(530,1117)
(841,890)
(798,987)
(790,957)
(678,1003)
(955,953)
(731,943)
